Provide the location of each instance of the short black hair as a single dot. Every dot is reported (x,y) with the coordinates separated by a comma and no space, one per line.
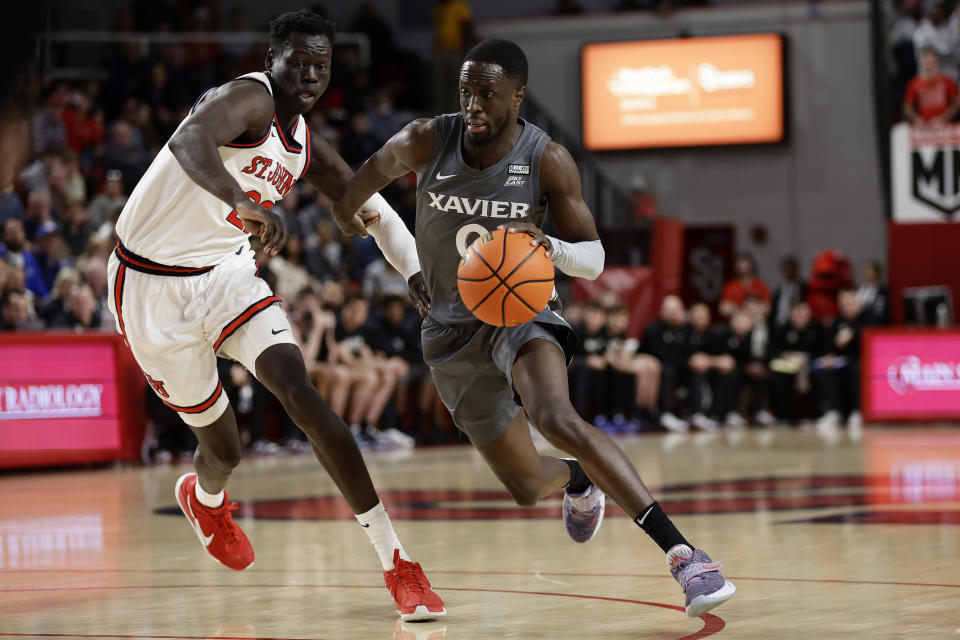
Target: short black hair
(508,55)
(302,21)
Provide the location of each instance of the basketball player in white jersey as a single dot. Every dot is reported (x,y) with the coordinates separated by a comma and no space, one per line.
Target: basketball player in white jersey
(185,287)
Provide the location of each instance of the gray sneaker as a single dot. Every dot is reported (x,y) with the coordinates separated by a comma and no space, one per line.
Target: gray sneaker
(583,513)
(700,578)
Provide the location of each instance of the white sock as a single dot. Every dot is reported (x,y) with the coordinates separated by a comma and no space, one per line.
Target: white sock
(212,500)
(379,529)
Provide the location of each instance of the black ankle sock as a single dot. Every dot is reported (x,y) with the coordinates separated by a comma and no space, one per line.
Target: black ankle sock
(579,482)
(658,526)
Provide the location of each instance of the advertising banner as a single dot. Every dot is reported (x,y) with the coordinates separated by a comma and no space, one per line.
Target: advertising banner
(911,375)
(925,172)
(683,92)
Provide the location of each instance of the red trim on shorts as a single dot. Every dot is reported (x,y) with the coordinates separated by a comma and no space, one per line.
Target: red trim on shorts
(243,318)
(118,299)
(198,408)
(138,263)
(308,143)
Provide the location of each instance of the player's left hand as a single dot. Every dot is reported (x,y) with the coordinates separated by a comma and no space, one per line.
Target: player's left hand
(418,293)
(539,238)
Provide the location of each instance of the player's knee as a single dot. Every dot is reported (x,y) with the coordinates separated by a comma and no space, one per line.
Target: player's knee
(524,491)
(558,422)
(223,456)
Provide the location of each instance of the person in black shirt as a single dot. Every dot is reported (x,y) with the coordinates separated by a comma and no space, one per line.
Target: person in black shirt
(589,364)
(757,375)
(703,365)
(793,348)
(666,340)
(619,389)
(837,371)
(735,345)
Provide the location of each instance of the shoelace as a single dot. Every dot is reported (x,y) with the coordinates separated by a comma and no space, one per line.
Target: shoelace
(410,574)
(224,521)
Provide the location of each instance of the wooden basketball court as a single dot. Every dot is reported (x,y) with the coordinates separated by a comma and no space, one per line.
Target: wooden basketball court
(848,536)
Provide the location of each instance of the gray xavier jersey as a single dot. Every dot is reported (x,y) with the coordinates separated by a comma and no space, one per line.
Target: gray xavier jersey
(457,203)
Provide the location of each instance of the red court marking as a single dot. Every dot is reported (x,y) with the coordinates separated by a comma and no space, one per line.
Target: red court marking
(711,624)
(658,576)
(104,635)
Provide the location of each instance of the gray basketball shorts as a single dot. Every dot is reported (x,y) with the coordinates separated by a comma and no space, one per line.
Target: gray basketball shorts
(472,366)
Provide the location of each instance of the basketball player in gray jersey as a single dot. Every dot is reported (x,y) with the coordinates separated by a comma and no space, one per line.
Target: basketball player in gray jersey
(479,170)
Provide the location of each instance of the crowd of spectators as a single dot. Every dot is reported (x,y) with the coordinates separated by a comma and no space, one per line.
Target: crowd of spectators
(79,148)
(924,62)
(766,359)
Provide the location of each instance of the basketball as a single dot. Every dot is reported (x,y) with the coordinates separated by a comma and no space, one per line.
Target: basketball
(503,280)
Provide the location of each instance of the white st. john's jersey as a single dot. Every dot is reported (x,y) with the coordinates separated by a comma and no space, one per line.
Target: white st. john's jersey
(171,220)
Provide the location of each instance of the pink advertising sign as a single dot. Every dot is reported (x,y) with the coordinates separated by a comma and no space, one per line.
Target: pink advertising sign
(911,374)
(58,396)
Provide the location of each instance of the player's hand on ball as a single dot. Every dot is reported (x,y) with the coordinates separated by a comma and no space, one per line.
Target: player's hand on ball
(418,293)
(539,238)
(262,222)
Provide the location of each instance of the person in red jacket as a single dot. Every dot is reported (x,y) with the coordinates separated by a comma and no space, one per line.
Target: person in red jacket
(931,97)
(745,285)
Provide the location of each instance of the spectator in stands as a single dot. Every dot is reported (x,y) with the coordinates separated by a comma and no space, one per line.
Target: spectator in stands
(82,311)
(39,211)
(792,289)
(324,258)
(706,366)
(873,295)
(48,127)
(837,371)
(588,364)
(16,312)
(49,252)
(16,252)
(793,349)
(358,143)
(292,275)
(757,375)
(939,31)
(666,340)
(125,151)
(374,376)
(384,121)
(745,284)
(104,205)
(76,229)
(381,280)
(931,97)
(734,344)
(619,382)
(452,32)
(84,128)
(67,279)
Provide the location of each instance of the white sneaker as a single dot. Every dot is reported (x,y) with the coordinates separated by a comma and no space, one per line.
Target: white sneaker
(671,422)
(829,421)
(764,418)
(701,421)
(399,438)
(735,420)
(855,421)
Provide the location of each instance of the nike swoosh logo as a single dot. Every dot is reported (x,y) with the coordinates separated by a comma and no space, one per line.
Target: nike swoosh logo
(442,177)
(207,540)
(276,331)
(364,526)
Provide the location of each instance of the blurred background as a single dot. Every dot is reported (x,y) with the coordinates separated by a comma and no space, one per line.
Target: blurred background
(774,182)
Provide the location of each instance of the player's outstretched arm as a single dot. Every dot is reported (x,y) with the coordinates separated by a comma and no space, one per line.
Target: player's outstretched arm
(408,150)
(577,250)
(236,109)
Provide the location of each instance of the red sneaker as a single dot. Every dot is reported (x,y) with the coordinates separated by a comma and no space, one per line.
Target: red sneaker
(411,591)
(226,543)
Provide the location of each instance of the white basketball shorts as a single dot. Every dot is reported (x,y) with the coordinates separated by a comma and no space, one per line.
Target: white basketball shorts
(177,320)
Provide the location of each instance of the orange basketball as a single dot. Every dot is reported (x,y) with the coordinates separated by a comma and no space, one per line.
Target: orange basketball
(503,280)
